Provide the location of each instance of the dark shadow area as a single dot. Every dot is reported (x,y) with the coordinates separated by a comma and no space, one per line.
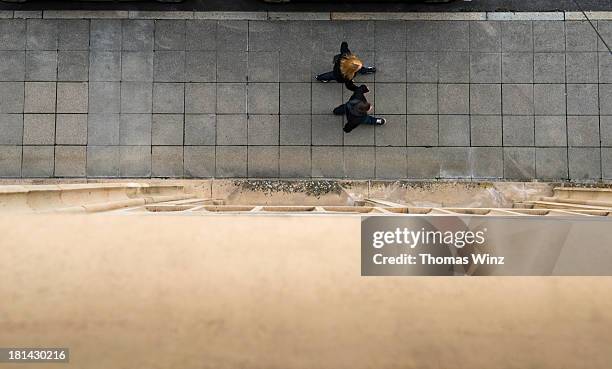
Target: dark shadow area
(317,5)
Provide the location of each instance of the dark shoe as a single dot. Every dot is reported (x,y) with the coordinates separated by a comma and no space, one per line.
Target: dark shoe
(321,80)
(367,70)
(380,121)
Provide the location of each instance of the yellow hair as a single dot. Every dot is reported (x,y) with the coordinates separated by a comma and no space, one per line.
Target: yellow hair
(349,66)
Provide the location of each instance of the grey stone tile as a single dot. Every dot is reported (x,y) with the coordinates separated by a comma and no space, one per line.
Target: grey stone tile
(517,99)
(104,66)
(231,161)
(518,130)
(199,161)
(169,34)
(263,98)
(487,162)
(40,97)
(11,97)
(10,161)
(71,129)
(391,97)
(200,98)
(13,33)
(137,66)
(582,67)
(200,129)
(390,36)
(391,66)
(105,34)
(606,162)
(421,99)
(135,129)
(296,67)
(41,65)
(548,36)
(231,98)
(295,98)
(232,35)
(485,68)
(360,35)
(11,129)
(582,99)
(201,66)
(392,133)
(167,161)
(549,68)
(549,99)
(167,129)
(517,68)
(263,66)
(263,161)
(168,98)
(584,163)
(605,124)
(551,163)
(583,130)
(138,34)
(579,36)
(73,34)
(421,130)
(328,161)
(422,67)
(264,36)
(453,98)
(102,161)
(295,161)
(328,36)
(550,131)
(70,161)
(37,161)
(169,66)
(104,97)
(517,36)
(453,67)
(103,129)
(135,161)
(295,129)
(232,129)
(363,135)
(327,130)
(605,99)
(391,162)
(422,162)
(485,99)
(41,34)
(454,162)
(38,129)
(519,163)
(326,96)
(232,66)
(605,68)
(486,130)
(72,97)
(263,129)
(201,35)
(12,65)
(485,36)
(605,30)
(73,66)
(454,130)
(298,35)
(360,162)
(418,36)
(453,36)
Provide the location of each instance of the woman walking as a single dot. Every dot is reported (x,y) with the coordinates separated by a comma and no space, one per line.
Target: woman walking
(346,66)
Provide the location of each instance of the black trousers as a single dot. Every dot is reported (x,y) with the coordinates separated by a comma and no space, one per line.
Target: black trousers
(366,119)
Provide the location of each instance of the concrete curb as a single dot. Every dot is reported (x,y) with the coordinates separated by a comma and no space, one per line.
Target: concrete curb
(309,16)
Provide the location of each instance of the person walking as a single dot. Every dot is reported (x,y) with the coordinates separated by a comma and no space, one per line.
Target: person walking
(357,109)
(346,66)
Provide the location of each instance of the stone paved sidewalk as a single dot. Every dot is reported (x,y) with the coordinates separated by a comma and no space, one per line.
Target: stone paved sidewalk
(201,98)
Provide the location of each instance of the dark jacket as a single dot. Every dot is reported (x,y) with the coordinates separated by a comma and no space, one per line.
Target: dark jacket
(344,52)
(354,115)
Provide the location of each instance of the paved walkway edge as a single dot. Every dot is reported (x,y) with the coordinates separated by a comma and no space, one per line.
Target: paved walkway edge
(307,16)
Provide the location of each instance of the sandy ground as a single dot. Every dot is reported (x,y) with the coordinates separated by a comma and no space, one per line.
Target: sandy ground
(273,292)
